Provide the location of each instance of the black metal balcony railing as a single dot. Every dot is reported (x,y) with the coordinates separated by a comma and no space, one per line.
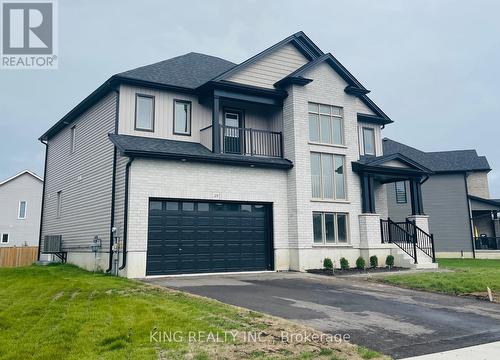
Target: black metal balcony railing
(487,243)
(245,141)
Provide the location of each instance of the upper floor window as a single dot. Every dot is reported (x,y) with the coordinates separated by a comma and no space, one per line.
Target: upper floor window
(330,228)
(59,204)
(144,112)
(5,238)
(326,124)
(182,117)
(368,141)
(400,192)
(22,210)
(327,176)
(72,140)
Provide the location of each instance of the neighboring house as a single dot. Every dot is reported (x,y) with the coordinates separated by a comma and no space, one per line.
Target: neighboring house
(20,206)
(456,197)
(195,164)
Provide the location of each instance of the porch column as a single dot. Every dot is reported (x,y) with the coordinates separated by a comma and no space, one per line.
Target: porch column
(367,194)
(417,207)
(216,125)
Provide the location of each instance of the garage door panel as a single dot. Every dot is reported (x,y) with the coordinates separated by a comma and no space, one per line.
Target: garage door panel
(191,237)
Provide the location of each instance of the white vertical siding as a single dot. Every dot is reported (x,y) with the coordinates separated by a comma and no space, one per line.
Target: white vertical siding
(378,138)
(269,69)
(84,178)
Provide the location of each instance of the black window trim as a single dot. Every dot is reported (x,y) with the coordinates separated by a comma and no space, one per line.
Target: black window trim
(137,95)
(190,117)
(396,192)
(72,143)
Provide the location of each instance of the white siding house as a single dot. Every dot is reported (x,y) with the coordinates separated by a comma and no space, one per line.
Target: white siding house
(20,206)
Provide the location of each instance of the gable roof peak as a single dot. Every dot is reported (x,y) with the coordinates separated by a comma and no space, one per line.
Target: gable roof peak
(21,174)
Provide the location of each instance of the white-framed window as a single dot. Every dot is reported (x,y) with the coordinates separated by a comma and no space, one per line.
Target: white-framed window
(400,192)
(72,140)
(368,141)
(326,124)
(59,204)
(22,209)
(182,117)
(330,228)
(144,112)
(328,176)
(5,238)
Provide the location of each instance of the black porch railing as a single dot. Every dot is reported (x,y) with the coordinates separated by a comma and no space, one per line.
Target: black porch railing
(487,243)
(253,142)
(408,237)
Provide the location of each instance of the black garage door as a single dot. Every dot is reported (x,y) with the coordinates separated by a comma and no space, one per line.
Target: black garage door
(201,237)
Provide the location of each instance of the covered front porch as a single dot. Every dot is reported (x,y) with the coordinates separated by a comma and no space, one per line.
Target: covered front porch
(485,224)
(412,235)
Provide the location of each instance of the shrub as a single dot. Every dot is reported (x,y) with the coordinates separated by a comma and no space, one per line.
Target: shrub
(328,264)
(344,264)
(389,261)
(374,261)
(360,263)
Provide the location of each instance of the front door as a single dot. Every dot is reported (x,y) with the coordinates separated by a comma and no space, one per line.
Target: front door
(233,132)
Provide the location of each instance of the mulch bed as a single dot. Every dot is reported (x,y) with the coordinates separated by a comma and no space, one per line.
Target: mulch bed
(354,271)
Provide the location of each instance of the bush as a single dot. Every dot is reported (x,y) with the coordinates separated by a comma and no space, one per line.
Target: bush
(328,264)
(389,261)
(344,264)
(374,261)
(360,263)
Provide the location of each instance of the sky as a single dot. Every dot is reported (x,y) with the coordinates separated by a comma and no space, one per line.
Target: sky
(432,66)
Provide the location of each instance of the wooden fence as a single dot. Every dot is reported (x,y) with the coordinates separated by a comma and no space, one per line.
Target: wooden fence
(18,256)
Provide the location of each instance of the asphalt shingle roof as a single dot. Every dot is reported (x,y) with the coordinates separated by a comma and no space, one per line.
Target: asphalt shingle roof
(188,71)
(440,161)
(152,147)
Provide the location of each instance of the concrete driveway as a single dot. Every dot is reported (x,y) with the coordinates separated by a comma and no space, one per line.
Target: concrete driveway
(395,321)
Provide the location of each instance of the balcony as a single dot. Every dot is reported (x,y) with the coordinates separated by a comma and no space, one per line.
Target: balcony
(245,141)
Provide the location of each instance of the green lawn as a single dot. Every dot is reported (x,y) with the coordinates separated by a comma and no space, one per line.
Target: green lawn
(53,312)
(469,277)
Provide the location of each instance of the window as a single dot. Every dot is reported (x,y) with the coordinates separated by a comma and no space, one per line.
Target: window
(326,124)
(182,117)
(327,176)
(72,140)
(144,112)
(330,228)
(5,238)
(22,210)
(400,192)
(59,204)
(369,141)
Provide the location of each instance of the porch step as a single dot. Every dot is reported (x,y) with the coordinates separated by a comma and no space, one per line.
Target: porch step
(404,260)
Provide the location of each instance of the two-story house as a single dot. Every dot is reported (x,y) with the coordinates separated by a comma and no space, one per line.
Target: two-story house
(198,165)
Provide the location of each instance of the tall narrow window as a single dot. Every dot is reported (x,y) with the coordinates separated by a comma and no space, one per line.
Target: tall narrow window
(328,176)
(144,112)
(368,141)
(5,238)
(72,140)
(182,117)
(326,124)
(22,210)
(401,192)
(59,204)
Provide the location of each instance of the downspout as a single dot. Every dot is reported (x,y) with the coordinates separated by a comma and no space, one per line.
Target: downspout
(125,214)
(470,216)
(112,222)
(43,198)
(113,190)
